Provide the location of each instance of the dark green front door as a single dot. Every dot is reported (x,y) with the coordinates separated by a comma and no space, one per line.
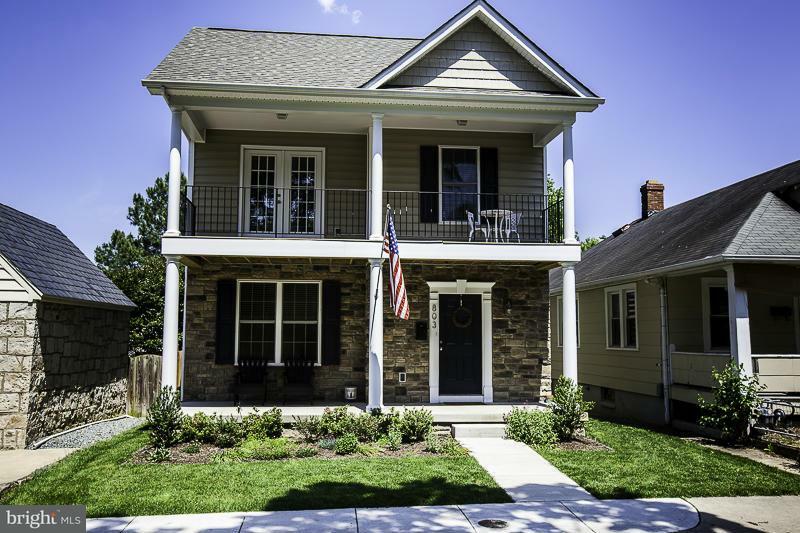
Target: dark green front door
(460,344)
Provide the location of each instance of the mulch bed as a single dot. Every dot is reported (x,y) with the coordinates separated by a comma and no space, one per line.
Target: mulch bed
(208,453)
(583,444)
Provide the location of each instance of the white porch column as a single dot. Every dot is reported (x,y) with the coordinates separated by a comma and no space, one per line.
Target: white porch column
(376,178)
(174,195)
(570,322)
(739,320)
(169,356)
(569,187)
(375,395)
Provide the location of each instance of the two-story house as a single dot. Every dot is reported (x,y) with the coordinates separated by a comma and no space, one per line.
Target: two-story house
(298,142)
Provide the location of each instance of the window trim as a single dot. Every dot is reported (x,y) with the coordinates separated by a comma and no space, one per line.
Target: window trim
(477,150)
(281,153)
(279,316)
(622,290)
(706,283)
(559,314)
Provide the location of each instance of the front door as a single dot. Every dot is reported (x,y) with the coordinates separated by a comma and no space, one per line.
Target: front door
(460,345)
(280,192)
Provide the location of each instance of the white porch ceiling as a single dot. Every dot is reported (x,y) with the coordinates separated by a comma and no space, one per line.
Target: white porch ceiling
(353,123)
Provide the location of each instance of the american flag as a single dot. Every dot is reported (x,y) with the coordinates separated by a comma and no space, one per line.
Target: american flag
(397,288)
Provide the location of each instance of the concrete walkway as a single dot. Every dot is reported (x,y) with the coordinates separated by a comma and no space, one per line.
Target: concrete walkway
(16,465)
(609,516)
(524,474)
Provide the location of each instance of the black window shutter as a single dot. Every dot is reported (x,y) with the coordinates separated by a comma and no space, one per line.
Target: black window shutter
(489,178)
(331,322)
(429,184)
(226,322)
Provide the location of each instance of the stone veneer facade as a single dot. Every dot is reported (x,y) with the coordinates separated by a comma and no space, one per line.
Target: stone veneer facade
(520,314)
(60,366)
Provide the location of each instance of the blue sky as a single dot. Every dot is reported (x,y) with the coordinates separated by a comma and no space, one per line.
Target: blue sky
(699,94)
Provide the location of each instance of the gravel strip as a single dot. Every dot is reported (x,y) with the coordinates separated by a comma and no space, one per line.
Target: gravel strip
(82,437)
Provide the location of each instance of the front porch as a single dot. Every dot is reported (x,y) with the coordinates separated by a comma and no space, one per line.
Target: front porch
(442,414)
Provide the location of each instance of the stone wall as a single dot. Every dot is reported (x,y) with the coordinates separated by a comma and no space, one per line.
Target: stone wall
(60,366)
(520,355)
(206,380)
(521,364)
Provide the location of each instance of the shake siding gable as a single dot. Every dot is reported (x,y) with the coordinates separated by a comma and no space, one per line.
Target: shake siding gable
(635,371)
(475,57)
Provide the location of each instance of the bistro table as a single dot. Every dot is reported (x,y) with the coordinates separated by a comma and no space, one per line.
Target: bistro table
(499,216)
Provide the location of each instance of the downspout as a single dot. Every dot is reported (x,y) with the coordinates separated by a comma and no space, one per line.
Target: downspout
(666,363)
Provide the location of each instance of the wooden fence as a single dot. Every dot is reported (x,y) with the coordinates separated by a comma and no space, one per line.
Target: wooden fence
(144,380)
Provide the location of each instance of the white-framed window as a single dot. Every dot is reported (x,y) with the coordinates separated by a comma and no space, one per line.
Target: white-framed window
(560,320)
(459,182)
(622,327)
(277,321)
(716,324)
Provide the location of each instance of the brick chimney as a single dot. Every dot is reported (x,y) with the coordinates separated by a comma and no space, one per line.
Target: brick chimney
(652,197)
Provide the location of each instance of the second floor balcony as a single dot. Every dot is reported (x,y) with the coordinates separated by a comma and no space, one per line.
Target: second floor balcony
(321,213)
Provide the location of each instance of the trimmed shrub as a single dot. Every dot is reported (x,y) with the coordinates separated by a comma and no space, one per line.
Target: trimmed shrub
(443,444)
(346,444)
(394,438)
(266,425)
(327,444)
(415,424)
(228,432)
(733,408)
(569,409)
(164,418)
(158,455)
(337,422)
(310,428)
(532,427)
(305,451)
(199,427)
(367,427)
(268,450)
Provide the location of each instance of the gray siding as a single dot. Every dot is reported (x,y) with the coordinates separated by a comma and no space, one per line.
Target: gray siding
(475,57)
(217,164)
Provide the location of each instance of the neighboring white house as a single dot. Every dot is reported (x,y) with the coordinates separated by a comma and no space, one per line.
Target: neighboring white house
(686,289)
(297,143)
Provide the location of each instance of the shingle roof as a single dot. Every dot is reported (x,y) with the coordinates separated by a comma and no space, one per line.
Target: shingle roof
(279,58)
(746,218)
(52,263)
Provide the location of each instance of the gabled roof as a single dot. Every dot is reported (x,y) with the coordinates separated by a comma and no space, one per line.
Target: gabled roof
(754,217)
(483,11)
(52,264)
(270,58)
(322,61)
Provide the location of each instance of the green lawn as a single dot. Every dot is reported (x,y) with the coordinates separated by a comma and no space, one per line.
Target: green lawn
(649,464)
(98,478)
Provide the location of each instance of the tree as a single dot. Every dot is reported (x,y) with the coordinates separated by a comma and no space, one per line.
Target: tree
(134,263)
(590,242)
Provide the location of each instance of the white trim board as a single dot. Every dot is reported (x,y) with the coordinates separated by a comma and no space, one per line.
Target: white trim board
(461,286)
(364,249)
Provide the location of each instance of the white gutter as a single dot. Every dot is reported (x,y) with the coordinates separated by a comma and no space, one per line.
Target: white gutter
(159,86)
(682,268)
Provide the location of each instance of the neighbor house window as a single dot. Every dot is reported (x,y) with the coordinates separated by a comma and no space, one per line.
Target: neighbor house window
(560,320)
(716,325)
(460,182)
(621,319)
(278,321)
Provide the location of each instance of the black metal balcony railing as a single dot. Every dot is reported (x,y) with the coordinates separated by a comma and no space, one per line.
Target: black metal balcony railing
(344,213)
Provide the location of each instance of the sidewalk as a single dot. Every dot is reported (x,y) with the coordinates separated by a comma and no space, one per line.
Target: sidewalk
(609,516)
(16,465)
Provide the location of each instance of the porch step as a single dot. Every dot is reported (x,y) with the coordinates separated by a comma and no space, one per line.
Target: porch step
(479,430)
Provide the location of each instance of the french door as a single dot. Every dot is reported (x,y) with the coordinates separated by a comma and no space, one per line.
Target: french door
(281,190)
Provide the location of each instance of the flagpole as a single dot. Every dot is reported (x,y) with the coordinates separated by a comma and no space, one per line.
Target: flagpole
(380,275)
